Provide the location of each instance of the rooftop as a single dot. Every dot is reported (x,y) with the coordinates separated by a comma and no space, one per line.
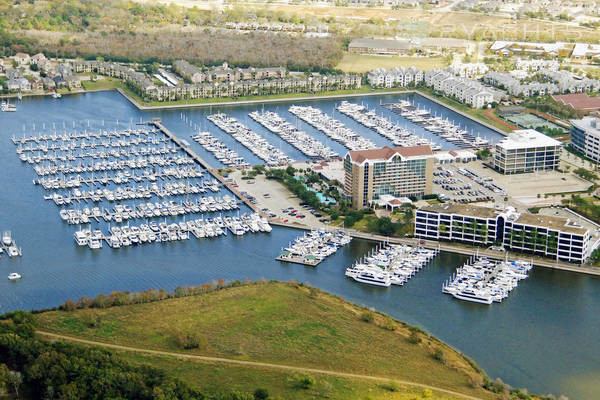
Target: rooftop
(589,124)
(385,153)
(527,138)
(538,220)
(462,209)
(551,222)
(579,101)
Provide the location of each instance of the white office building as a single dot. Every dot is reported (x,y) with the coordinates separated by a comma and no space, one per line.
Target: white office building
(526,150)
(585,137)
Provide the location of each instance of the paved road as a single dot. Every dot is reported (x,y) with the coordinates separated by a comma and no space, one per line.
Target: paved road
(252,364)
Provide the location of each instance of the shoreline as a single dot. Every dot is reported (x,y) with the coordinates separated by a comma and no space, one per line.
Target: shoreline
(257,101)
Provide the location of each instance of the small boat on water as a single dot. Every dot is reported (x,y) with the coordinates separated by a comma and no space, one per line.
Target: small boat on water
(56,95)
(14,276)
(7,107)
(6,238)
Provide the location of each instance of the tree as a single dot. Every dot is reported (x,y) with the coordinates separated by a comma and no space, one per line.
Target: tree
(16,379)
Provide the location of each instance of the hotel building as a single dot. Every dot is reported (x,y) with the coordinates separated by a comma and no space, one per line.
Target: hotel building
(548,236)
(399,172)
(526,150)
(585,137)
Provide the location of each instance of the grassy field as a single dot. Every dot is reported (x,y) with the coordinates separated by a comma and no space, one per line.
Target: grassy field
(360,63)
(277,323)
(104,83)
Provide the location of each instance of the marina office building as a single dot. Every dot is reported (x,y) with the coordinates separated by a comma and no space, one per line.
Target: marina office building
(398,172)
(585,137)
(526,150)
(548,236)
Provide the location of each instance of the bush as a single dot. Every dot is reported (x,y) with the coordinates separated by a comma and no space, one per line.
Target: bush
(439,355)
(414,338)
(261,394)
(367,316)
(391,386)
(189,340)
(306,382)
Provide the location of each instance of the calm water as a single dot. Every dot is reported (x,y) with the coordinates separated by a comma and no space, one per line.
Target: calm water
(545,336)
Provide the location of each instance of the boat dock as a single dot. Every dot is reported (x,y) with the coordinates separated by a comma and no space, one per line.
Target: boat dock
(296,259)
(191,153)
(9,246)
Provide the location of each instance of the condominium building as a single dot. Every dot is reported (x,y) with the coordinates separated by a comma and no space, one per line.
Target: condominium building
(526,150)
(548,236)
(585,137)
(398,171)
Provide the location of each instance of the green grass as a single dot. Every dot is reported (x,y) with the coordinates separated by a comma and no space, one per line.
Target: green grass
(277,323)
(104,83)
(214,378)
(360,63)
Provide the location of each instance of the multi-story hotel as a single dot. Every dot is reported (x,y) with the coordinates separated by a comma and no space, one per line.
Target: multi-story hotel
(549,236)
(526,150)
(585,137)
(399,172)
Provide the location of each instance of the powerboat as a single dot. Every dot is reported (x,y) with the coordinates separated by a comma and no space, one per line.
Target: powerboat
(14,276)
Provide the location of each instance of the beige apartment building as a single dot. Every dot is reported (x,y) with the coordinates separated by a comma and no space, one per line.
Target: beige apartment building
(398,171)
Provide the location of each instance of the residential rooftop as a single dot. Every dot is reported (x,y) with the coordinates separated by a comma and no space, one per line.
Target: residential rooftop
(527,138)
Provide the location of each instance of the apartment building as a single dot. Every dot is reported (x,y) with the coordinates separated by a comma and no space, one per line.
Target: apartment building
(398,172)
(585,137)
(549,236)
(395,77)
(526,150)
(465,90)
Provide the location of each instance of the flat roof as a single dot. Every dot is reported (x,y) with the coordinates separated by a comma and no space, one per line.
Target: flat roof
(527,138)
(381,44)
(538,220)
(588,124)
(552,222)
(462,209)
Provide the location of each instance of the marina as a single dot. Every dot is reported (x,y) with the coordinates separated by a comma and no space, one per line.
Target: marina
(383,126)
(131,235)
(438,125)
(258,145)
(511,336)
(222,153)
(390,265)
(486,281)
(313,247)
(332,127)
(291,134)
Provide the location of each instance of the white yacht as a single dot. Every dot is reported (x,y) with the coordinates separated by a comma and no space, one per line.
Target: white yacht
(374,278)
(14,276)
(6,238)
(475,296)
(81,238)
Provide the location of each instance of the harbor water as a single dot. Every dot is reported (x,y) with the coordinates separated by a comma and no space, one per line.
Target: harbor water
(544,336)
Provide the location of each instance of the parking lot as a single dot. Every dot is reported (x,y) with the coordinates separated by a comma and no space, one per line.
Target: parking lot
(275,200)
(461,183)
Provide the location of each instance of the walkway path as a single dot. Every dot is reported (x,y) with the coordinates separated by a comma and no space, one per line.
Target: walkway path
(255,364)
